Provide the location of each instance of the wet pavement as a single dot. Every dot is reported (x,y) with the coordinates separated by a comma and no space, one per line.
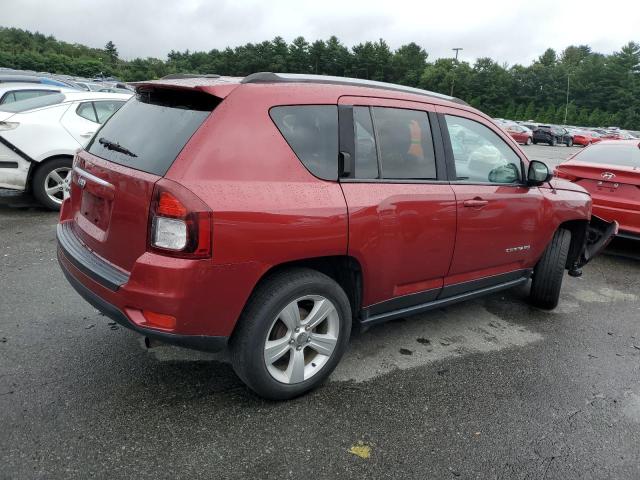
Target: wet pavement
(492,388)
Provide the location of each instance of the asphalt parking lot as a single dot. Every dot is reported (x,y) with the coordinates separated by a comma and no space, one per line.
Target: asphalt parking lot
(493,388)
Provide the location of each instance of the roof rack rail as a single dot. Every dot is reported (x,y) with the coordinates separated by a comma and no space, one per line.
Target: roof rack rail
(178,76)
(270,77)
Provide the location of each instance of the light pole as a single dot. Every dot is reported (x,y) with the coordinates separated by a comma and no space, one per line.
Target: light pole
(566,107)
(453,80)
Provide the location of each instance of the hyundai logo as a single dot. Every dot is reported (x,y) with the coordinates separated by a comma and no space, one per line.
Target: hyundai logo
(608,175)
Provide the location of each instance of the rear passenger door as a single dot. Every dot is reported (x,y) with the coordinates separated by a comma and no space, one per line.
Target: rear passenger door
(402,212)
(499,216)
(82,120)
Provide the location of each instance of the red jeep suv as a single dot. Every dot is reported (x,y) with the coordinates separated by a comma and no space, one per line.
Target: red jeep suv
(270,214)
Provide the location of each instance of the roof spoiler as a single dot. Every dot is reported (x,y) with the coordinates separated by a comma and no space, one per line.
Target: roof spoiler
(270,77)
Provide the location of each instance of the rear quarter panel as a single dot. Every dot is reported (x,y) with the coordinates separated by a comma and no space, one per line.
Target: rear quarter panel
(267,208)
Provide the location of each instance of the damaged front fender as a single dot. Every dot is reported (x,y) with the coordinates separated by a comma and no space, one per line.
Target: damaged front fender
(598,235)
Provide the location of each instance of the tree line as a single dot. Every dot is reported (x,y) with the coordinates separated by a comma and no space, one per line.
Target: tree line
(604,90)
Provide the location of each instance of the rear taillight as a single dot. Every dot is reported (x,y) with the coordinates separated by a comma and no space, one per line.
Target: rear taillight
(180,224)
(564,175)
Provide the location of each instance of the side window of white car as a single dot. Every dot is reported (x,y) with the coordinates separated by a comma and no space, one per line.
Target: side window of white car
(106,108)
(480,155)
(86,110)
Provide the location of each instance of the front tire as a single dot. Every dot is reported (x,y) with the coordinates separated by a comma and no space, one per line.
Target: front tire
(570,142)
(553,142)
(528,142)
(292,334)
(549,271)
(48,182)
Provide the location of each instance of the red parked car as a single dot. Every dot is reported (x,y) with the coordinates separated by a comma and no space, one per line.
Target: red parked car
(585,137)
(271,214)
(520,134)
(610,171)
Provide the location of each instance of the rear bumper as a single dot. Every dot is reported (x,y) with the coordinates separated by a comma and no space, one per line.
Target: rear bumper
(199,342)
(205,299)
(628,219)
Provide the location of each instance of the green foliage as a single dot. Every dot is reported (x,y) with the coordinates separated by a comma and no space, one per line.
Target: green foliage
(603,89)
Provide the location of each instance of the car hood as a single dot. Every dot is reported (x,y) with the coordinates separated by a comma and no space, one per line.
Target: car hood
(561,184)
(5,115)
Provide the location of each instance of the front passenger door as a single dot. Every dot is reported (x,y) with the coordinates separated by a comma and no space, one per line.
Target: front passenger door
(498,215)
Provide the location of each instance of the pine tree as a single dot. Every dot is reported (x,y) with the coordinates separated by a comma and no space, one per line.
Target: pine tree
(112,52)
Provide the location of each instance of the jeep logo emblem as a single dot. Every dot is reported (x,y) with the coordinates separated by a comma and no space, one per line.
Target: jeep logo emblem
(608,175)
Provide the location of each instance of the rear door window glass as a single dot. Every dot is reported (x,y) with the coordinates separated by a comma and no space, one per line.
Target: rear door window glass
(106,108)
(366,162)
(405,143)
(312,133)
(480,155)
(85,110)
(151,129)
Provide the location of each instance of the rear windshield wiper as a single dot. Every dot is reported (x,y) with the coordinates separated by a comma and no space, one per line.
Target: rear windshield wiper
(115,147)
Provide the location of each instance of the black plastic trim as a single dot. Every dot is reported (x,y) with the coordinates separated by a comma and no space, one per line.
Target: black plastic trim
(8,164)
(88,262)
(472,285)
(438,147)
(346,141)
(198,342)
(404,301)
(628,235)
(15,149)
(368,320)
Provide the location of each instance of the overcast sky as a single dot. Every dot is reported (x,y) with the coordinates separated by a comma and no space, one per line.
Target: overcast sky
(507,31)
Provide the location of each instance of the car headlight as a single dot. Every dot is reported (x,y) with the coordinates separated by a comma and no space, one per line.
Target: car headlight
(8,126)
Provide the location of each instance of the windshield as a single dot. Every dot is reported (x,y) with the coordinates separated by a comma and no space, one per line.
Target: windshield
(151,129)
(33,103)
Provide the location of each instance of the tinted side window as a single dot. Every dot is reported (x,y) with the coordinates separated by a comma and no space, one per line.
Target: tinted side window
(405,144)
(106,108)
(85,110)
(366,162)
(312,133)
(26,94)
(480,154)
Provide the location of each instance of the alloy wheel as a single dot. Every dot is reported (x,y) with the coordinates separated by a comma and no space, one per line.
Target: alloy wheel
(55,185)
(301,339)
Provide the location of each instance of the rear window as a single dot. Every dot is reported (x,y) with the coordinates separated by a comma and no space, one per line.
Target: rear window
(151,129)
(312,133)
(625,155)
(33,103)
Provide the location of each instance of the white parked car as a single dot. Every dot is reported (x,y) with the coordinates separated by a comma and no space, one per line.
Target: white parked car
(39,136)
(16,91)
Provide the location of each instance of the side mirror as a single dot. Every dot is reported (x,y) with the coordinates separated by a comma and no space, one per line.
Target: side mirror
(538,173)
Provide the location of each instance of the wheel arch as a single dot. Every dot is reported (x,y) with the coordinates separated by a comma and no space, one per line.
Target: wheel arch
(578,229)
(35,165)
(344,269)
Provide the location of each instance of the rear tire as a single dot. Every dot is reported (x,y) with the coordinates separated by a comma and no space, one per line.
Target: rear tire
(570,142)
(270,318)
(549,271)
(48,182)
(553,142)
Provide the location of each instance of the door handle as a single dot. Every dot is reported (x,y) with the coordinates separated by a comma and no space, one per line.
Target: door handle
(475,203)
(87,135)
